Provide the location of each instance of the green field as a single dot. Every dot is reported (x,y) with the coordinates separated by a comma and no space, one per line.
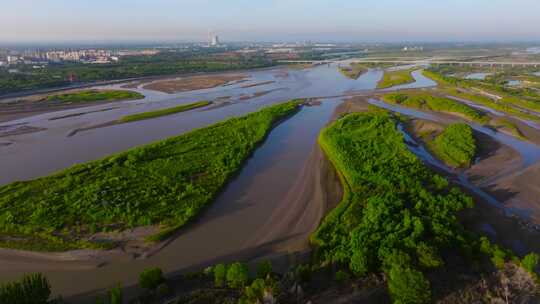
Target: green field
(455,146)
(426,101)
(354,70)
(394,78)
(516,98)
(166,183)
(163,112)
(95,95)
(396,216)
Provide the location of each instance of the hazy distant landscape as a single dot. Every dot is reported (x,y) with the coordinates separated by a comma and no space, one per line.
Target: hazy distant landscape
(273,158)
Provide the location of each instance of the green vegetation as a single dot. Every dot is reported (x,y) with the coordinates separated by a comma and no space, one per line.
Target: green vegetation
(163,112)
(237,275)
(394,78)
(455,146)
(354,70)
(515,97)
(425,101)
(264,269)
(164,63)
(31,289)
(151,278)
(505,124)
(396,216)
(490,103)
(220,274)
(95,95)
(166,183)
(530,262)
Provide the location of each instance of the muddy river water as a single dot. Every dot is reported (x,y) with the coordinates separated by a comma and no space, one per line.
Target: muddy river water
(239,212)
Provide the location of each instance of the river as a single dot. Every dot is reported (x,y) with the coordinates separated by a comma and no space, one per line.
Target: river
(223,231)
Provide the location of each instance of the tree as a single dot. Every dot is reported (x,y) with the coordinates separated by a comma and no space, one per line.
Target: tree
(408,286)
(31,289)
(220,274)
(530,261)
(237,275)
(115,295)
(264,269)
(151,278)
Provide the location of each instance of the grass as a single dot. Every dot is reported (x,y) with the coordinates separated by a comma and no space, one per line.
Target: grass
(426,101)
(509,97)
(163,112)
(505,124)
(455,146)
(166,183)
(354,71)
(396,215)
(394,78)
(95,95)
(490,103)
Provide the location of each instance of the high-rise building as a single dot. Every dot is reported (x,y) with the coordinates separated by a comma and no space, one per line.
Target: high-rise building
(215,40)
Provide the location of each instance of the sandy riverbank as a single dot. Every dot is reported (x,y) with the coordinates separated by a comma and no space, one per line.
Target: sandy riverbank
(191,83)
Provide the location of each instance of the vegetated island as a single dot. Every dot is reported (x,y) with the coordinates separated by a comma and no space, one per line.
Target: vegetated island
(163,112)
(164,184)
(354,70)
(426,101)
(94,95)
(397,77)
(397,216)
(455,146)
(518,98)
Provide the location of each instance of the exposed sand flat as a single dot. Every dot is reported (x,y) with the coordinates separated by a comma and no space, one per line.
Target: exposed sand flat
(521,191)
(192,83)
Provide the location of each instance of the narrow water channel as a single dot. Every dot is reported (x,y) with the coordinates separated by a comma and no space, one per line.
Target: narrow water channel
(221,232)
(530,153)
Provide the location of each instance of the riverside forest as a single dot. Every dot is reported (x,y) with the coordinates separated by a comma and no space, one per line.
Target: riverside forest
(227,175)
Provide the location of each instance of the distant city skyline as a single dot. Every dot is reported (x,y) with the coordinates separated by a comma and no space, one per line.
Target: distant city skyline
(272,20)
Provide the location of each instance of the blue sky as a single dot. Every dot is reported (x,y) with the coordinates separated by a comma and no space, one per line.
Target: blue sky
(270,20)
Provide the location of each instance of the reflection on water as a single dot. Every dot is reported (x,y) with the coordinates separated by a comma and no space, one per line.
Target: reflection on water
(514,83)
(233,218)
(477,76)
(51,150)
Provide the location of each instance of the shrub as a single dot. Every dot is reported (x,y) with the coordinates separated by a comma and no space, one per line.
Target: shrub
(408,286)
(342,276)
(115,295)
(303,273)
(498,258)
(220,274)
(264,269)
(151,278)
(162,290)
(237,275)
(530,261)
(255,291)
(31,289)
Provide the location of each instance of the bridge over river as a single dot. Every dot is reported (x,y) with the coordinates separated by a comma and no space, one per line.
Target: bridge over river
(413,61)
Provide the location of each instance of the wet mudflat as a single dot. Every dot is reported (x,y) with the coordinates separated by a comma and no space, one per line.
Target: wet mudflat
(229,229)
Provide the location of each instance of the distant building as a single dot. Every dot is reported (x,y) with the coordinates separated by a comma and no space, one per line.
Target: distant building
(215,40)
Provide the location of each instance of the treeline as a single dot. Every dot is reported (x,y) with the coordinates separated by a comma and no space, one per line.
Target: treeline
(166,183)
(56,75)
(425,101)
